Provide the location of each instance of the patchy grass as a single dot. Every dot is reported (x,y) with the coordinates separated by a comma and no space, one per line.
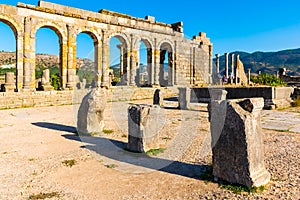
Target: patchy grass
(155,152)
(296,102)
(107,131)
(238,189)
(111,166)
(43,196)
(69,163)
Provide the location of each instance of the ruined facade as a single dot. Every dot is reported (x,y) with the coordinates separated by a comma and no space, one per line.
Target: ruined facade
(189,61)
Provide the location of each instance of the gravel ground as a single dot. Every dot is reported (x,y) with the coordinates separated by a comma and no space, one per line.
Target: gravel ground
(36,141)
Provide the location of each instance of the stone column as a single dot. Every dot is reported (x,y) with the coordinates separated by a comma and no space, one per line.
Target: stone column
(132,63)
(249,75)
(232,65)
(121,59)
(226,65)
(105,60)
(218,63)
(46,81)
(143,128)
(71,59)
(150,61)
(237,142)
(9,82)
(156,66)
(98,63)
(19,60)
(237,70)
(184,98)
(173,70)
(29,56)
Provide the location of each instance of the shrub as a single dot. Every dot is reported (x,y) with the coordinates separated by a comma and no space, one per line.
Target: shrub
(267,79)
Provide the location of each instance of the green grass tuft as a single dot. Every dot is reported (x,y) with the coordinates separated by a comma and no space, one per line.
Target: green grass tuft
(155,152)
(44,196)
(107,131)
(69,163)
(111,166)
(238,189)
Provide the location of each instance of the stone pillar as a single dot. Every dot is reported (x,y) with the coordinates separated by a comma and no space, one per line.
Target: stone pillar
(9,82)
(19,60)
(232,65)
(121,59)
(237,70)
(218,63)
(171,71)
(150,61)
(132,62)
(237,142)
(143,128)
(249,76)
(46,81)
(105,60)
(98,63)
(156,66)
(184,98)
(29,56)
(158,97)
(226,65)
(71,58)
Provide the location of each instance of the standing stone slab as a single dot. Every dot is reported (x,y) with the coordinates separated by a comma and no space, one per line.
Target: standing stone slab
(143,128)
(90,117)
(238,151)
(184,98)
(158,97)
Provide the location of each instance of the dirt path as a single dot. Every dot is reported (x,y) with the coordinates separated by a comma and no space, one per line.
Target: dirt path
(36,141)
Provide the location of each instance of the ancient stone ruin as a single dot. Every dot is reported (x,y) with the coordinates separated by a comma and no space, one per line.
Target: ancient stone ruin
(158,97)
(237,141)
(90,117)
(184,97)
(46,81)
(189,60)
(143,131)
(9,85)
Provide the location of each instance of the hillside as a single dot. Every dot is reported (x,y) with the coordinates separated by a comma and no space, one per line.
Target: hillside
(269,62)
(8,59)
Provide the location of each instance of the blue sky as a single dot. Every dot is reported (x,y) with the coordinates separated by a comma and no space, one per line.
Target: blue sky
(232,25)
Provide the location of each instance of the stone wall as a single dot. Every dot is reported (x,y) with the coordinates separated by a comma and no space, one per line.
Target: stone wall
(10,100)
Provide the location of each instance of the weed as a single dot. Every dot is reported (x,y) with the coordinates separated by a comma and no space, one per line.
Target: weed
(107,131)
(111,166)
(166,138)
(31,159)
(124,136)
(238,189)
(296,102)
(43,196)
(69,163)
(5,152)
(34,173)
(155,152)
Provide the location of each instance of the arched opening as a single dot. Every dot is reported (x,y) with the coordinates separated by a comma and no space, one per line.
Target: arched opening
(118,61)
(166,64)
(48,56)
(8,55)
(145,63)
(86,68)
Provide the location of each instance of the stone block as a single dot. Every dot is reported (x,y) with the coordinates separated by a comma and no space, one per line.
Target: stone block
(158,98)
(237,141)
(184,98)
(143,128)
(90,117)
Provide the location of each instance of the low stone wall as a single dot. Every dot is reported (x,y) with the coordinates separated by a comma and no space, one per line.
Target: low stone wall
(273,96)
(10,100)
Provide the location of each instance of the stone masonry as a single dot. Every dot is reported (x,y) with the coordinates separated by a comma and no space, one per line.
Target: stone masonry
(237,141)
(189,61)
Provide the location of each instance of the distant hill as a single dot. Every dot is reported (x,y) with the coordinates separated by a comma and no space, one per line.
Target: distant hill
(268,62)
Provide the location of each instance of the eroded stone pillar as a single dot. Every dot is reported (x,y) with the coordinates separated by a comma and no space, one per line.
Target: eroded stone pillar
(143,128)
(46,80)
(158,97)
(232,66)
(237,141)
(105,60)
(9,85)
(249,76)
(218,63)
(19,64)
(226,65)
(156,66)
(184,98)
(98,63)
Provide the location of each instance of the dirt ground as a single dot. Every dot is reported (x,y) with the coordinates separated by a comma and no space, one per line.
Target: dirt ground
(38,143)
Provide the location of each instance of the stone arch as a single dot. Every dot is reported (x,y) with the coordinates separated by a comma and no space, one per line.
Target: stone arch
(61,33)
(145,72)
(97,54)
(18,33)
(166,47)
(124,56)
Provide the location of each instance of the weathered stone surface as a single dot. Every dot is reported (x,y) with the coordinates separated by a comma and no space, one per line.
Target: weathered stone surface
(143,128)
(90,117)
(158,98)
(184,98)
(46,81)
(9,85)
(237,141)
